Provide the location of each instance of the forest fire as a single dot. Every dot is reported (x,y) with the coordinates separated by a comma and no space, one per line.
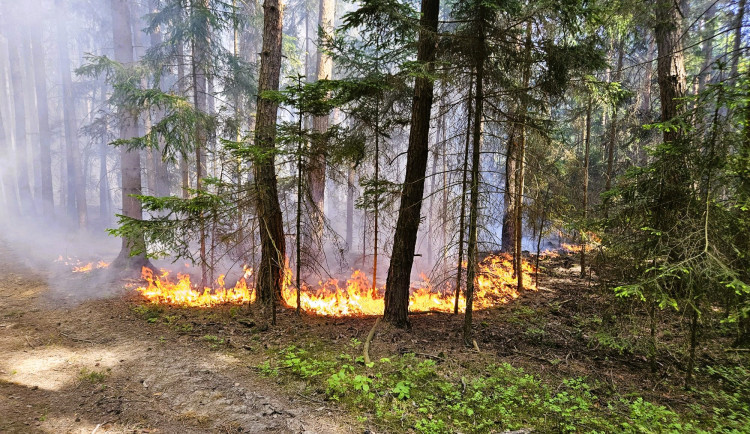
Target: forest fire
(161,289)
(79,266)
(353,297)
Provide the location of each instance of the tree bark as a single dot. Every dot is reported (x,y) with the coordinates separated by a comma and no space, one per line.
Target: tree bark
(672,88)
(520,178)
(76,197)
(130,161)
(670,64)
(199,70)
(350,207)
(586,161)
(15,60)
(465,171)
(737,41)
(508,240)
(709,29)
(407,226)
(612,142)
(316,174)
(42,105)
(273,245)
(10,187)
(472,253)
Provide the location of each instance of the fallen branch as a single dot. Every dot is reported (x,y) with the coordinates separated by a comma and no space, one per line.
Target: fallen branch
(431,356)
(737,350)
(369,340)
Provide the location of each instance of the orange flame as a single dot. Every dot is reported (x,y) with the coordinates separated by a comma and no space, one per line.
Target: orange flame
(79,267)
(161,290)
(495,285)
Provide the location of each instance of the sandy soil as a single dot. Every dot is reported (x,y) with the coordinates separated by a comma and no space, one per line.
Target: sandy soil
(96,367)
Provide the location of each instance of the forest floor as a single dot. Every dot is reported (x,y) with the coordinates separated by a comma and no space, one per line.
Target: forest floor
(566,357)
(97,366)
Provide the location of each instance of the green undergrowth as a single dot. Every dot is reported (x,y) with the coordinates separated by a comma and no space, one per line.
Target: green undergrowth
(408,393)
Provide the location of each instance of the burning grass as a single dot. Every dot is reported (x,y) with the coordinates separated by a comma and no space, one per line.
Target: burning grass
(352,297)
(79,266)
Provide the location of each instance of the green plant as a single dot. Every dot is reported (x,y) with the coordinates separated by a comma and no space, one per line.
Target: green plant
(214,341)
(150,312)
(93,376)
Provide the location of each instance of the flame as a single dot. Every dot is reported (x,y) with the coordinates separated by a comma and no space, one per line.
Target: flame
(354,296)
(79,267)
(161,290)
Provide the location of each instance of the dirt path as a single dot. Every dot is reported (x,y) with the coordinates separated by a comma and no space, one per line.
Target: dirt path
(95,366)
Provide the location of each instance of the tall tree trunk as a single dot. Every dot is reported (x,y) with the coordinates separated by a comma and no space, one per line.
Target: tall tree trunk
(350,207)
(407,226)
(130,161)
(672,87)
(200,65)
(273,244)
(15,60)
(465,171)
(736,50)
(709,28)
(160,166)
(33,156)
(586,161)
(612,142)
(472,251)
(105,196)
(76,197)
(508,240)
(10,186)
(316,174)
(521,154)
(42,105)
(184,158)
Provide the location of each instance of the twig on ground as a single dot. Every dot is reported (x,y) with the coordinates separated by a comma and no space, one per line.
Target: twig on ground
(366,350)
(99,426)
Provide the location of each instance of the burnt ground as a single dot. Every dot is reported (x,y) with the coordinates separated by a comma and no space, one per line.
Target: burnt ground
(124,365)
(98,366)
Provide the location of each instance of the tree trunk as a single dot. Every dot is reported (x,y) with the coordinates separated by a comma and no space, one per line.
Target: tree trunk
(472,254)
(462,216)
(508,240)
(105,196)
(672,86)
(612,145)
(273,245)
(130,161)
(15,60)
(586,161)
(709,29)
(350,207)
(736,50)
(42,105)
(316,174)
(76,197)
(521,154)
(184,163)
(407,226)
(670,64)
(10,188)
(199,68)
